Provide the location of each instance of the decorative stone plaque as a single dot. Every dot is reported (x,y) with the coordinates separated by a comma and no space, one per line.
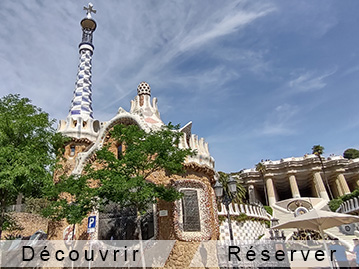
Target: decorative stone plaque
(190,209)
(163,213)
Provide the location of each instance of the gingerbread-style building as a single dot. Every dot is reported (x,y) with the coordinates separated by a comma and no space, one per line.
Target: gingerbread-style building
(193,218)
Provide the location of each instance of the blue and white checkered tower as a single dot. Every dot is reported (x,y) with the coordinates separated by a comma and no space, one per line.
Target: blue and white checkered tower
(80,122)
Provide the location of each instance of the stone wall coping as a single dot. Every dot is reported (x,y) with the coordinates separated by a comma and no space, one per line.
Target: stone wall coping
(254,211)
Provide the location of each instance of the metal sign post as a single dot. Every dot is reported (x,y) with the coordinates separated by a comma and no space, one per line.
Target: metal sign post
(91,228)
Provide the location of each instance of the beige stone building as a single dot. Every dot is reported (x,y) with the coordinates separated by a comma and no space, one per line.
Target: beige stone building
(301,177)
(296,185)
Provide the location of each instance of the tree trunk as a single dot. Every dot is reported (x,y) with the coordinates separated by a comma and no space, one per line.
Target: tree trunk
(139,231)
(2,219)
(3,207)
(265,190)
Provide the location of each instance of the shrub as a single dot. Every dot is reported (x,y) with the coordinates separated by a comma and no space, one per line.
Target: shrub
(351,195)
(269,209)
(335,204)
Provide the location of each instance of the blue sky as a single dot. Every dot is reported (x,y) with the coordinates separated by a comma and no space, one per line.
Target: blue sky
(259,79)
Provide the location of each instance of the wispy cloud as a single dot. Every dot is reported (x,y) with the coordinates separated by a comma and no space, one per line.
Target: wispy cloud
(230,23)
(310,80)
(351,70)
(280,121)
(154,47)
(229,66)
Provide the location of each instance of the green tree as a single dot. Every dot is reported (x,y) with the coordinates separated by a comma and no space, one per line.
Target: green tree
(28,149)
(261,168)
(319,150)
(351,153)
(125,180)
(241,191)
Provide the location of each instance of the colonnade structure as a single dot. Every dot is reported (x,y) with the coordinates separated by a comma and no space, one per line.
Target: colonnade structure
(300,177)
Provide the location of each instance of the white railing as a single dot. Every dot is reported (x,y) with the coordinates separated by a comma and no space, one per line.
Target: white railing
(250,210)
(349,206)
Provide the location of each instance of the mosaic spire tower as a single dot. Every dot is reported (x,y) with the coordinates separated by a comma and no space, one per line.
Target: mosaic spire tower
(80,122)
(81,102)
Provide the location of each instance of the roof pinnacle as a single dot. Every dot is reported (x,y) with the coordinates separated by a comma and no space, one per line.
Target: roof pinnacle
(143,88)
(89,9)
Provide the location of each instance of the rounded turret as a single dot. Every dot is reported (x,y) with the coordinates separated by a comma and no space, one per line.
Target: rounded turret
(143,88)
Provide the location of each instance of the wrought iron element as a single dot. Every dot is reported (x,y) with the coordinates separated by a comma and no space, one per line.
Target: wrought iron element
(89,10)
(116,223)
(88,25)
(191,218)
(226,201)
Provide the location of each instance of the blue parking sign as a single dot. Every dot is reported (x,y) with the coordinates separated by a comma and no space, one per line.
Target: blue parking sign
(91,224)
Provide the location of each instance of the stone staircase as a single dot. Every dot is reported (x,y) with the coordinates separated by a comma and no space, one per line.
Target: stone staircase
(283,216)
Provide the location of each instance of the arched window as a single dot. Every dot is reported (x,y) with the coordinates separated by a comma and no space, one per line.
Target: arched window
(119,152)
(72,150)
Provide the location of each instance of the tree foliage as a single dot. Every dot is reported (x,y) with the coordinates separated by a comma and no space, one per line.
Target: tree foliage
(241,190)
(125,180)
(336,203)
(317,150)
(351,153)
(28,149)
(261,168)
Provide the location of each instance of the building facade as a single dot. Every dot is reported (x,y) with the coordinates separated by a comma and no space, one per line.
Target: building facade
(193,218)
(299,177)
(293,186)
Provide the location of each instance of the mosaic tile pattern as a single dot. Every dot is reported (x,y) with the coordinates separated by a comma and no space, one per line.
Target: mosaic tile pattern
(81,102)
(244,230)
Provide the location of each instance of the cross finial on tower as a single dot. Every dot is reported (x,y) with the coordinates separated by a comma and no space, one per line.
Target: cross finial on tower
(89,9)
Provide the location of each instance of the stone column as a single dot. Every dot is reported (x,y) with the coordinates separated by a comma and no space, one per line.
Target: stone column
(270,191)
(294,186)
(343,183)
(339,187)
(318,181)
(251,194)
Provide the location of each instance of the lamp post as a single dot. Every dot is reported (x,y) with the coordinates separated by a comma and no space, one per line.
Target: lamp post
(226,199)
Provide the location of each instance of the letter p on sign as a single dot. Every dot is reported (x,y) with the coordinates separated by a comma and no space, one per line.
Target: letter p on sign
(91,224)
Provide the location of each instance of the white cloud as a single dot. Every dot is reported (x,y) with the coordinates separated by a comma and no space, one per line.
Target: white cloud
(310,81)
(217,63)
(227,25)
(152,45)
